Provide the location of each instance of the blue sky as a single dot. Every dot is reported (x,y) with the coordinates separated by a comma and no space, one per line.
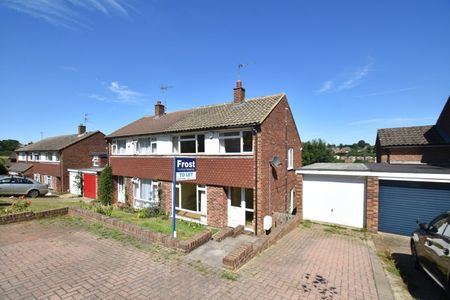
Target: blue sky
(347,67)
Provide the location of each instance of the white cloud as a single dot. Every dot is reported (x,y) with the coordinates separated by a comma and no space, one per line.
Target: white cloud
(390,121)
(325,87)
(389,92)
(356,76)
(66,13)
(123,93)
(97,97)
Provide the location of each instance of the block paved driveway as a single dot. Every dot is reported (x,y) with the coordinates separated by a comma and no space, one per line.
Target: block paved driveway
(55,262)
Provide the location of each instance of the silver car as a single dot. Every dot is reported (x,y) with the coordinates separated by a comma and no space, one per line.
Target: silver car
(12,185)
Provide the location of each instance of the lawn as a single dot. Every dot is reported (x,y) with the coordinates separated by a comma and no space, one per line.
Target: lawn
(161,224)
(42,203)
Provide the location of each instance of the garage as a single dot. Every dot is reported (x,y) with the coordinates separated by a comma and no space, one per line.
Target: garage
(74,183)
(334,199)
(401,203)
(90,185)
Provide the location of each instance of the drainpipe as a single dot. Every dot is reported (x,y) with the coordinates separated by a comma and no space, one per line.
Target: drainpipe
(255,204)
(286,153)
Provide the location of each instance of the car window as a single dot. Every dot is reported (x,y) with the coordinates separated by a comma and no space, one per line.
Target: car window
(447,231)
(22,181)
(439,225)
(5,180)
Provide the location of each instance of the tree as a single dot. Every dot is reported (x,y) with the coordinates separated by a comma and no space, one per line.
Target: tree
(105,188)
(8,146)
(362,144)
(3,169)
(316,151)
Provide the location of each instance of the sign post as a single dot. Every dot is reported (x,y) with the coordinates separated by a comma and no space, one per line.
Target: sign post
(184,168)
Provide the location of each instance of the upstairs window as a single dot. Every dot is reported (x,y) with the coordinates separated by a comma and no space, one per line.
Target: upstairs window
(146,145)
(30,156)
(48,156)
(236,142)
(290,164)
(175,148)
(22,156)
(119,147)
(187,144)
(56,156)
(200,143)
(36,156)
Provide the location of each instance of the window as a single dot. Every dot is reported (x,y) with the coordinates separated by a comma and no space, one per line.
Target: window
(145,193)
(95,161)
(187,144)
(247,140)
(200,143)
(292,200)
(22,156)
(439,225)
(290,158)
(36,156)
(49,181)
(5,180)
(119,147)
(56,156)
(175,144)
(154,145)
(191,197)
(37,177)
(236,142)
(143,146)
(48,156)
(30,156)
(21,180)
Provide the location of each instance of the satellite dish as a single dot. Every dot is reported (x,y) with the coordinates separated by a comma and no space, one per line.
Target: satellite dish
(275,161)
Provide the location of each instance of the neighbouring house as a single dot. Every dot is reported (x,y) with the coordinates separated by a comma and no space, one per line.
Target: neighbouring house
(49,159)
(378,196)
(246,150)
(84,182)
(428,144)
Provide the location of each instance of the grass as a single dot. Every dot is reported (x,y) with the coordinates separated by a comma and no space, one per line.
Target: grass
(161,224)
(41,203)
(389,262)
(229,275)
(306,223)
(103,232)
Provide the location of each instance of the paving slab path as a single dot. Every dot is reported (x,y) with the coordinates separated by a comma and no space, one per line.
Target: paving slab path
(42,261)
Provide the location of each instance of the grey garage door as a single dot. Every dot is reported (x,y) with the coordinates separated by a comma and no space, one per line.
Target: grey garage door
(402,203)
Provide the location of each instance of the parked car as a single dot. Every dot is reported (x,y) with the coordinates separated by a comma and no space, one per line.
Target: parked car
(12,185)
(430,248)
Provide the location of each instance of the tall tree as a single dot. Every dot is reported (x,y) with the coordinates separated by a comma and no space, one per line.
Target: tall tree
(8,146)
(316,151)
(105,188)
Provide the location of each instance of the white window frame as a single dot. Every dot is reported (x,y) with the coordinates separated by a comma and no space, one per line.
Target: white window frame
(183,138)
(290,159)
(37,177)
(144,203)
(199,188)
(116,149)
(48,156)
(49,181)
(22,156)
(56,156)
(30,156)
(38,156)
(95,161)
(240,135)
(292,199)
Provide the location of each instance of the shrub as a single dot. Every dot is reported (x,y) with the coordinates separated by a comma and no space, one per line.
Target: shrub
(19,206)
(103,209)
(150,212)
(105,186)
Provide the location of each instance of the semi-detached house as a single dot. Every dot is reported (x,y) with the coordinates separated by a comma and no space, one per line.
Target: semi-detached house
(49,159)
(246,150)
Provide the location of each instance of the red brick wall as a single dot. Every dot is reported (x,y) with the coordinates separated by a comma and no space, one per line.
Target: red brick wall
(414,154)
(271,142)
(217,206)
(225,171)
(50,169)
(372,204)
(299,195)
(78,155)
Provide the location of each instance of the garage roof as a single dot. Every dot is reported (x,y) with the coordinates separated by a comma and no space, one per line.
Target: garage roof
(377,167)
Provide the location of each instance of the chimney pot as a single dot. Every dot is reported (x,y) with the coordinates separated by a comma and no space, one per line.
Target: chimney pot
(239,92)
(81,129)
(159,109)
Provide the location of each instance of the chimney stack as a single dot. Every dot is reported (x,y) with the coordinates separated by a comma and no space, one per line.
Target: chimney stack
(239,92)
(81,129)
(160,109)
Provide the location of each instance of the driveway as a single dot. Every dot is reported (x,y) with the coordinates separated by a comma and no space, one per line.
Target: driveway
(418,284)
(58,260)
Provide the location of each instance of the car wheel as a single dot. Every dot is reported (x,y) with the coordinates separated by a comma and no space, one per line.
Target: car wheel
(33,193)
(415,257)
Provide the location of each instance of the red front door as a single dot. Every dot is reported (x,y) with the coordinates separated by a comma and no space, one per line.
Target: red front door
(90,186)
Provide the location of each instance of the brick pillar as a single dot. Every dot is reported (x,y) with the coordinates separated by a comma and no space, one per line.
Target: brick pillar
(299,194)
(372,204)
(217,206)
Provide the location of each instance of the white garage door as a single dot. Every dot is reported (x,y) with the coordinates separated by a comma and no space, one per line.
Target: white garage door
(73,183)
(334,199)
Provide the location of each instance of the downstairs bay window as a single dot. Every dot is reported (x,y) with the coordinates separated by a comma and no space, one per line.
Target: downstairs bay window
(145,193)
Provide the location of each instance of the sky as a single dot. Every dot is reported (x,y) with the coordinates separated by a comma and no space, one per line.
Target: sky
(347,67)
